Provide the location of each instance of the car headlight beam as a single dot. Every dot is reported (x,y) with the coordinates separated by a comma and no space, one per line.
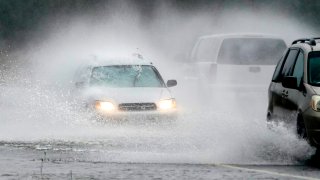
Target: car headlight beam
(105,106)
(315,103)
(167,104)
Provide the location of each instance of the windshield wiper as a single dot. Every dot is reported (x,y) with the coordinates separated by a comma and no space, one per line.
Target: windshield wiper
(136,78)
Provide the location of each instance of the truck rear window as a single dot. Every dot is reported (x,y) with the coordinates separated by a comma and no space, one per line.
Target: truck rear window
(251,51)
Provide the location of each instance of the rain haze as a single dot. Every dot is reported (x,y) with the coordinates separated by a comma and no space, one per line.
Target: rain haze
(46,132)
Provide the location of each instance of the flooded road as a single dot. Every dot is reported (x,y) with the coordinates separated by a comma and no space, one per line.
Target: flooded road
(31,161)
(43,137)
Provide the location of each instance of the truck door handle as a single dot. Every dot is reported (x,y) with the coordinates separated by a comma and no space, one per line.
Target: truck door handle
(285,94)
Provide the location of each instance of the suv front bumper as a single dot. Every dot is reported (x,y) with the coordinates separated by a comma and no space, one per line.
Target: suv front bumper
(139,115)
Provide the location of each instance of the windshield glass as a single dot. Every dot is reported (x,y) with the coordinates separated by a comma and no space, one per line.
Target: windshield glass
(251,51)
(126,76)
(314,68)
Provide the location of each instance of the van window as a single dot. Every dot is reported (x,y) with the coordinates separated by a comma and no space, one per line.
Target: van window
(251,51)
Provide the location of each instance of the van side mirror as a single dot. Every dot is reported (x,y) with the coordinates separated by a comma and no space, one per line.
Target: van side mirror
(171,83)
(290,82)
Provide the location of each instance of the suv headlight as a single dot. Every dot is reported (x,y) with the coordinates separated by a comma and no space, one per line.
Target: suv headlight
(167,104)
(315,103)
(105,106)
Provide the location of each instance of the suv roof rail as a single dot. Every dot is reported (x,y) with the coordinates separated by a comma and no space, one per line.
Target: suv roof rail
(310,41)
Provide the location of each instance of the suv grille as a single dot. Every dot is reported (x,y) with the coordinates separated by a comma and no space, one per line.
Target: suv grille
(137,107)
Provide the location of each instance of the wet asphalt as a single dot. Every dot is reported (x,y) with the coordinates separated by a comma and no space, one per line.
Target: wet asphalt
(20,161)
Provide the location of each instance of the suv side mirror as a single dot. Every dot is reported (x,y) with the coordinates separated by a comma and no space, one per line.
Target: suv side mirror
(171,83)
(290,82)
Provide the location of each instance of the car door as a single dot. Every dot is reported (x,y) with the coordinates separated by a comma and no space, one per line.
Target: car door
(294,95)
(279,94)
(288,104)
(274,92)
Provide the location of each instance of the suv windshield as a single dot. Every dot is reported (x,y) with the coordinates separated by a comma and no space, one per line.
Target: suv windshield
(126,76)
(251,51)
(314,68)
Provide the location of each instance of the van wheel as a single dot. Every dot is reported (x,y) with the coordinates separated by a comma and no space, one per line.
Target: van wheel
(301,128)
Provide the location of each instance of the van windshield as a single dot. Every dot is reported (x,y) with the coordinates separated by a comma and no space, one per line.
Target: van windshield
(126,76)
(251,51)
(314,68)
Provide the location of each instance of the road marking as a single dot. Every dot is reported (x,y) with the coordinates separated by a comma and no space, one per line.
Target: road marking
(267,172)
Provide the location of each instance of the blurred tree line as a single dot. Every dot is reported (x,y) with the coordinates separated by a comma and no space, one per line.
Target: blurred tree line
(20,18)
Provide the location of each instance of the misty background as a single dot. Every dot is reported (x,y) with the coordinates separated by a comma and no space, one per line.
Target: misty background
(46,34)
(24,21)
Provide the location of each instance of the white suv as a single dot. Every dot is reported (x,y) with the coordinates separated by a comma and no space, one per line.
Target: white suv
(118,88)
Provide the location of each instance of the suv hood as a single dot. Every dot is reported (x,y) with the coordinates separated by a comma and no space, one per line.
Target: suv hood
(127,95)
